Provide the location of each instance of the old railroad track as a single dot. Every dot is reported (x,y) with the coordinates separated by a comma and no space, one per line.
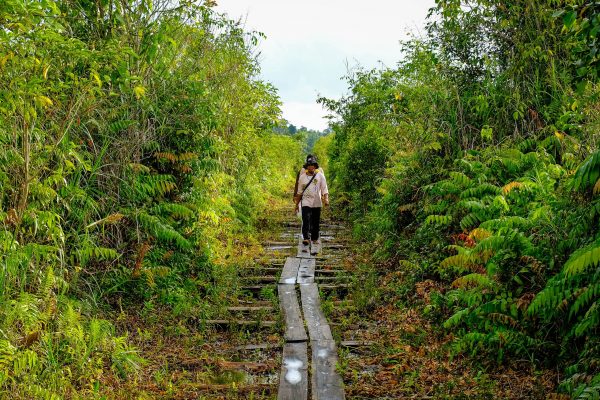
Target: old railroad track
(281,305)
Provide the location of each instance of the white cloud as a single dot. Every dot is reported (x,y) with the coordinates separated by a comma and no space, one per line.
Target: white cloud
(309,42)
(308,114)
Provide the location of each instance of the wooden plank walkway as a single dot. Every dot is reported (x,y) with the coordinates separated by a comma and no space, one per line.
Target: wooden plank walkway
(326,383)
(306,271)
(290,271)
(318,328)
(293,381)
(294,325)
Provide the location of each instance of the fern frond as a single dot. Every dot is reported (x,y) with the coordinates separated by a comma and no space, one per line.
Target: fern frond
(85,254)
(166,156)
(187,156)
(460,178)
(461,262)
(510,186)
(527,145)
(438,220)
(582,260)
(583,297)
(471,220)
(474,280)
(589,322)
(588,172)
(457,318)
(547,301)
(163,232)
(479,234)
(155,185)
(120,126)
(513,222)
(137,168)
(175,211)
(480,191)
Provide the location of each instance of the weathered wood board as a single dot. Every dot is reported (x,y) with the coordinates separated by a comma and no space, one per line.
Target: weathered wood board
(250,308)
(326,382)
(262,324)
(293,381)
(318,328)
(294,325)
(290,271)
(306,271)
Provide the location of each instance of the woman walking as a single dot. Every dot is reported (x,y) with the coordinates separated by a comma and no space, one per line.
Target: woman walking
(310,196)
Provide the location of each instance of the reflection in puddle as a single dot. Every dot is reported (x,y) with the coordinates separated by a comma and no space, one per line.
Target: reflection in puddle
(293,366)
(322,353)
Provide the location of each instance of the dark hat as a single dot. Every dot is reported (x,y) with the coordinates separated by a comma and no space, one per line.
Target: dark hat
(311,160)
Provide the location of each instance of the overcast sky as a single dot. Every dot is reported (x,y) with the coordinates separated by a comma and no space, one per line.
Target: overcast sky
(311,43)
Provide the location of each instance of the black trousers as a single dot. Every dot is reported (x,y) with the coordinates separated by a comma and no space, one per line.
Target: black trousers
(311,218)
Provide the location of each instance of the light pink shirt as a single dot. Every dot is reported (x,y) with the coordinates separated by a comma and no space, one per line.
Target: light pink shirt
(312,195)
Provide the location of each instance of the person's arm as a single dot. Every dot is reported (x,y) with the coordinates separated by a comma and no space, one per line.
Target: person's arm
(324,190)
(296,186)
(297,195)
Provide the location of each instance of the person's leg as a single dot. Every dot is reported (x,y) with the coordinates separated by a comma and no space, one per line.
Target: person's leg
(315,221)
(305,222)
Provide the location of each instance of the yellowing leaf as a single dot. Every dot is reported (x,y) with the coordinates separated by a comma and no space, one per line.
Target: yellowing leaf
(139,92)
(479,234)
(43,101)
(597,187)
(45,72)
(559,135)
(94,75)
(510,186)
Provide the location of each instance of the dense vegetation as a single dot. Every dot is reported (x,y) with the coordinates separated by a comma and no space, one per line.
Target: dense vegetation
(136,147)
(475,163)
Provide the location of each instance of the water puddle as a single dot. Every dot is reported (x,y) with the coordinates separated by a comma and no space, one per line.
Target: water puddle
(293,374)
(322,353)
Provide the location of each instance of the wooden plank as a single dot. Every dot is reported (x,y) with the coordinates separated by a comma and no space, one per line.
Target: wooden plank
(336,286)
(257,269)
(262,346)
(249,308)
(326,382)
(293,381)
(335,246)
(356,343)
(306,271)
(318,329)
(290,271)
(333,279)
(263,278)
(262,324)
(253,288)
(331,271)
(294,325)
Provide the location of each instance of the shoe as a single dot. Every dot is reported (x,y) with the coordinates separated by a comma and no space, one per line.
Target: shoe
(305,242)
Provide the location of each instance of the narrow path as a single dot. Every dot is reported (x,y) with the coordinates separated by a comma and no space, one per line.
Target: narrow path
(299,275)
(279,310)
